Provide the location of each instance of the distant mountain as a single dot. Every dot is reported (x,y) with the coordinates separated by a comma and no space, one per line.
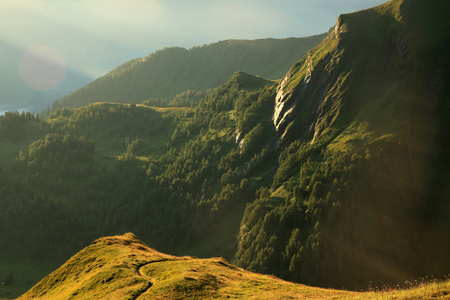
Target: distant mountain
(122,267)
(15,94)
(171,71)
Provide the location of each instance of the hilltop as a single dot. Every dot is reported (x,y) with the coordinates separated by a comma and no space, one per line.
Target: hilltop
(122,267)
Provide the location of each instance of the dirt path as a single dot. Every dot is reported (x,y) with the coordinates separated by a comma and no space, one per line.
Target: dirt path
(143,275)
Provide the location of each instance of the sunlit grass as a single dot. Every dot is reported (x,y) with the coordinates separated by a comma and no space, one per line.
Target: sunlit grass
(353,137)
(106,269)
(424,288)
(171,110)
(122,267)
(281,192)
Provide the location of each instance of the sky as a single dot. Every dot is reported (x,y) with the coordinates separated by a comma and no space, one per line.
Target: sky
(94,36)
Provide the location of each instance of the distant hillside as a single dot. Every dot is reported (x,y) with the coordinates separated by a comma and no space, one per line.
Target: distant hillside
(122,267)
(171,71)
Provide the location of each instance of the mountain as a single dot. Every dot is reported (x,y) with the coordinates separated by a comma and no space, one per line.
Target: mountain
(375,67)
(171,71)
(335,176)
(363,177)
(122,267)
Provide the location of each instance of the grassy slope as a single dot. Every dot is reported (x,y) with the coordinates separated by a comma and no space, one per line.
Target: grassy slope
(122,267)
(26,272)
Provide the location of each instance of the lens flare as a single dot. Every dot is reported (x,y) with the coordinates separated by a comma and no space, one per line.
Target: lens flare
(42,68)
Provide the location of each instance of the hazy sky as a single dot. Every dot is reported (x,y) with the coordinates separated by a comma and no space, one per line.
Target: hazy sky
(94,36)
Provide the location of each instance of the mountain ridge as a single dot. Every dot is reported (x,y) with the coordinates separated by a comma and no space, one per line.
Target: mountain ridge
(171,71)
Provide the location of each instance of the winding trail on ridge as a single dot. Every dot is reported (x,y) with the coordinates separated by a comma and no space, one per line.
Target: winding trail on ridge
(143,275)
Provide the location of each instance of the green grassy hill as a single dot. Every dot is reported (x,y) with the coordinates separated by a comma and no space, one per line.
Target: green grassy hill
(122,267)
(171,71)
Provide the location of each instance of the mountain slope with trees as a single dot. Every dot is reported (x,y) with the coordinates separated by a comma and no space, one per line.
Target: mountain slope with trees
(362,192)
(171,71)
(337,176)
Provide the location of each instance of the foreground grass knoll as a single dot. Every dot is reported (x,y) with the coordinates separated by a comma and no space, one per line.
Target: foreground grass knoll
(122,267)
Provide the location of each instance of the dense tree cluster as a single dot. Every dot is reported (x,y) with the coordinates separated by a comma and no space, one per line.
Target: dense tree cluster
(320,224)
(12,124)
(107,120)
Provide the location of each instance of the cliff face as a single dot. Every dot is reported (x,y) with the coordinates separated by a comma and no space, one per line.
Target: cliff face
(304,89)
(365,70)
